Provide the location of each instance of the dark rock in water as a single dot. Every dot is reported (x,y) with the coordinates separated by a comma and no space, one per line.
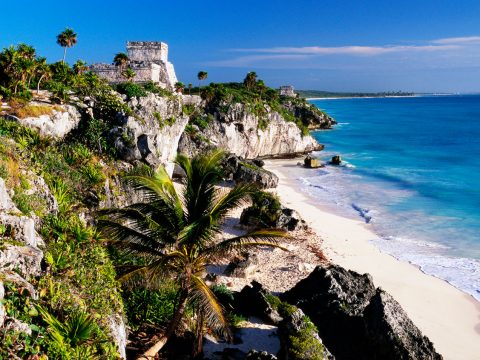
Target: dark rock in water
(357,321)
(242,268)
(336,160)
(300,340)
(259,355)
(312,163)
(252,301)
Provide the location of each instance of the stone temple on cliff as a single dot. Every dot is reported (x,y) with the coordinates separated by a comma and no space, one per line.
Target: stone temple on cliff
(149,61)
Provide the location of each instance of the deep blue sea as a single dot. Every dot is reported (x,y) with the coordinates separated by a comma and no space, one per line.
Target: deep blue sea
(413,172)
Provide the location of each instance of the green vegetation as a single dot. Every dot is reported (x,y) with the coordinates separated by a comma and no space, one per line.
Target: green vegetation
(265,208)
(69,292)
(175,236)
(304,345)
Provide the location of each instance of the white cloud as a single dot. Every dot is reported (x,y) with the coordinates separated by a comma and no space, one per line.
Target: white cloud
(445,51)
(466,40)
(350,50)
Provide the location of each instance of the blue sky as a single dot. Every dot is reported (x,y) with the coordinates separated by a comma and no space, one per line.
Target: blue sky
(336,45)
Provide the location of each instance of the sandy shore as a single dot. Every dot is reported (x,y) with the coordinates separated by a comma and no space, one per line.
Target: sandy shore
(449,317)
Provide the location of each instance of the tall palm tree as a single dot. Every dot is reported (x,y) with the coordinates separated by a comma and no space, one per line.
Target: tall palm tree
(66,39)
(202,75)
(177,234)
(121,60)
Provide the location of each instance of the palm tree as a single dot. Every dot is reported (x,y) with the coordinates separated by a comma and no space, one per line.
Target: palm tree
(202,75)
(121,59)
(66,39)
(250,80)
(179,87)
(43,71)
(80,67)
(176,233)
(129,74)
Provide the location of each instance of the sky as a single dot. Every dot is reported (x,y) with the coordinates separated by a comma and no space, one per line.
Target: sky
(334,45)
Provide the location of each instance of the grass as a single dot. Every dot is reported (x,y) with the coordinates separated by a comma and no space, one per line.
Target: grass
(35,110)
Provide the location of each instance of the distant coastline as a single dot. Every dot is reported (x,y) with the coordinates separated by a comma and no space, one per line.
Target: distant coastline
(361,97)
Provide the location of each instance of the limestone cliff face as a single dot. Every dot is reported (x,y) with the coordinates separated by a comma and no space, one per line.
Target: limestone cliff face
(240,132)
(153,132)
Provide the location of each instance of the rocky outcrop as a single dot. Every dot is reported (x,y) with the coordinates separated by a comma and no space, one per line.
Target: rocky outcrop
(356,320)
(245,171)
(58,124)
(309,114)
(239,131)
(20,242)
(20,256)
(153,133)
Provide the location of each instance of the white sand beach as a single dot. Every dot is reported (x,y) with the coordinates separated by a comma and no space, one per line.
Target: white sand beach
(449,317)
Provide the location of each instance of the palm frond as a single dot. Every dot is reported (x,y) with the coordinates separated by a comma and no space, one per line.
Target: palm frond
(202,297)
(258,238)
(227,201)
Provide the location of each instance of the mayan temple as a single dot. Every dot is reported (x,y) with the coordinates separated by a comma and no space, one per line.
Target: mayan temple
(149,61)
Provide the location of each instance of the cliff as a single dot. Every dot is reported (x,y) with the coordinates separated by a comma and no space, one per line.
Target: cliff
(239,131)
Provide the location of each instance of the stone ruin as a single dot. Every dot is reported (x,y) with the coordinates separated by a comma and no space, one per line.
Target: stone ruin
(149,61)
(287,90)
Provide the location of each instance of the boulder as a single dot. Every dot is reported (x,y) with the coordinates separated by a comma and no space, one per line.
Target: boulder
(336,160)
(242,267)
(290,220)
(312,163)
(357,321)
(259,355)
(285,219)
(252,301)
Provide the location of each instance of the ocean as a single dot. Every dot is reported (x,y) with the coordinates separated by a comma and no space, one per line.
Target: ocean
(412,172)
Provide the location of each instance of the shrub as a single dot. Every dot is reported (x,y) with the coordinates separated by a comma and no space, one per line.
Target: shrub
(154,307)
(304,345)
(131,89)
(265,208)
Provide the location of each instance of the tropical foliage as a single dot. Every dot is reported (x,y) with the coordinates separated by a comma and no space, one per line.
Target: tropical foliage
(176,235)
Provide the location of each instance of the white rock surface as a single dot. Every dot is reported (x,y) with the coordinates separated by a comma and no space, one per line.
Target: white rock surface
(56,125)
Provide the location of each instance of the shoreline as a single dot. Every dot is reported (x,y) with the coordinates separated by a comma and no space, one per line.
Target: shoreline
(445,314)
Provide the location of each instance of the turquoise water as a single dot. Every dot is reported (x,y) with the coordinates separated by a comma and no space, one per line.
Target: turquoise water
(413,172)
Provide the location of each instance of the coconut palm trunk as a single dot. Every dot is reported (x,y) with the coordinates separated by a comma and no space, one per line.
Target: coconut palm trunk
(64,54)
(174,323)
